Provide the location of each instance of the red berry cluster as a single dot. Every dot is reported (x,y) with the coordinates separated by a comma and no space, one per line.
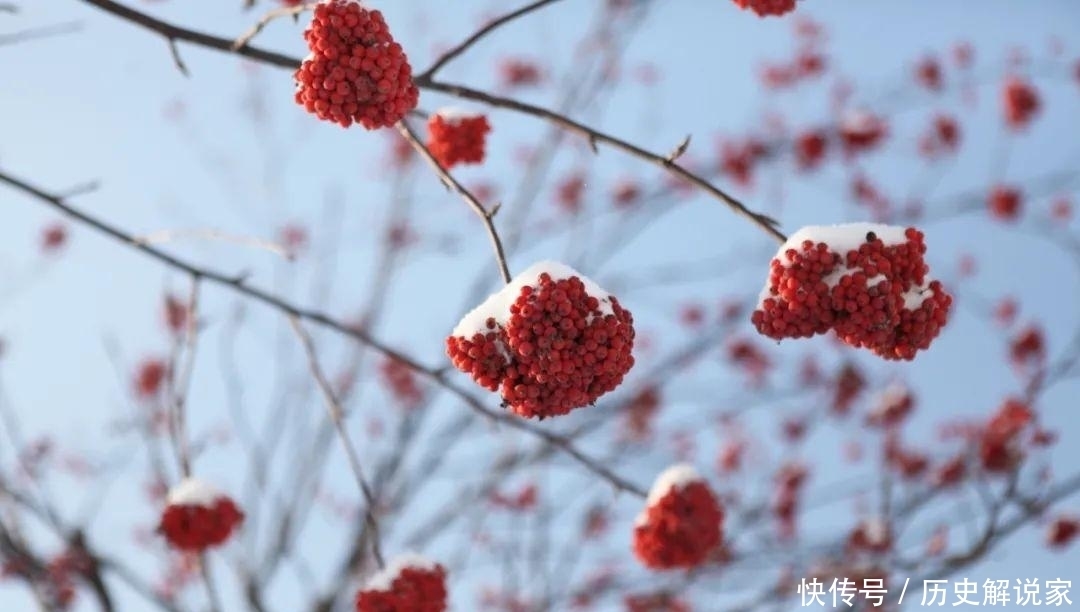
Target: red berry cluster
(412,588)
(402,383)
(1005,203)
(790,480)
(680,529)
(1021,103)
(764,8)
(874,295)
(149,377)
(356,71)
(892,409)
(1062,531)
(810,148)
(197,527)
(862,131)
(928,73)
(454,139)
(558,349)
(53,238)
(999,444)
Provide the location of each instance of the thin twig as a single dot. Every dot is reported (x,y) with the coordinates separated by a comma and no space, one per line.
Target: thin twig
(38,33)
(486,216)
(260,25)
(495,24)
(333,407)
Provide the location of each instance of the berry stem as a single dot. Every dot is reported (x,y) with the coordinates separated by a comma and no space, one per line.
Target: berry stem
(493,25)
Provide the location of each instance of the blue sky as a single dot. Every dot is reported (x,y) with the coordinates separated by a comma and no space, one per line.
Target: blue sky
(92,106)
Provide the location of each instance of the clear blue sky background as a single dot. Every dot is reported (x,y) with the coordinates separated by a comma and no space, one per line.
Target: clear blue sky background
(92,106)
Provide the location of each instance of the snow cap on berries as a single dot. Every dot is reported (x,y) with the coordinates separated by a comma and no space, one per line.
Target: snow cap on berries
(681,523)
(867,282)
(410,583)
(193,492)
(550,341)
(356,72)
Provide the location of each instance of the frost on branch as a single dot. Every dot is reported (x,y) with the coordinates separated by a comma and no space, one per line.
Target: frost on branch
(681,523)
(410,583)
(867,282)
(197,516)
(550,341)
(356,71)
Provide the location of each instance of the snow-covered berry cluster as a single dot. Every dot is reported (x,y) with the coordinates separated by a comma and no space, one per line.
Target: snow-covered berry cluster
(867,282)
(356,72)
(455,137)
(408,584)
(681,523)
(764,8)
(197,516)
(550,341)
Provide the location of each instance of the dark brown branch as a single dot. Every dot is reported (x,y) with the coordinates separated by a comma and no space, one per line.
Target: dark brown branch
(464,46)
(174,33)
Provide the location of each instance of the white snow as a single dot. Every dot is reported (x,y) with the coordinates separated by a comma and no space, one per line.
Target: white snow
(859,121)
(453,114)
(841,239)
(915,296)
(674,477)
(892,395)
(497,305)
(193,492)
(384,579)
(876,531)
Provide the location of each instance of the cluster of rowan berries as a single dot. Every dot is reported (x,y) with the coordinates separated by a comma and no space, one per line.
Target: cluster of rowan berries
(866,282)
(457,138)
(150,377)
(550,341)
(681,523)
(1000,444)
(197,517)
(356,72)
(790,480)
(1021,103)
(764,8)
(1005,203)
(408,584)
(402,383)
(862,131)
